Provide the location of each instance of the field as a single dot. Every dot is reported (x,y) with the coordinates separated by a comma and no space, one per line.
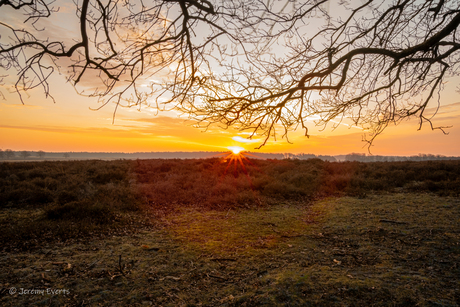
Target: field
(213,232)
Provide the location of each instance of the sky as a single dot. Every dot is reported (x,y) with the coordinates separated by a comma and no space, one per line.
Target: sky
(72,124)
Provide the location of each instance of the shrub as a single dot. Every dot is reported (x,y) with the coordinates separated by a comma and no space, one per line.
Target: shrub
(80,210)
(94,194)
(73,198)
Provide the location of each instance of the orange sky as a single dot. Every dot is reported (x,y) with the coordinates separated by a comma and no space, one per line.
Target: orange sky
(70,125)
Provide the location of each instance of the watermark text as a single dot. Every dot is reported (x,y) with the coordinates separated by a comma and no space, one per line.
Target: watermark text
(47,291)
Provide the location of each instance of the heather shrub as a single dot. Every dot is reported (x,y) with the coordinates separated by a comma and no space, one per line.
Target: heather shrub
(25,194)
(335,183)
(78,198)
(83,210)
(66,196)
(215,182)
(282,190)
(68,199)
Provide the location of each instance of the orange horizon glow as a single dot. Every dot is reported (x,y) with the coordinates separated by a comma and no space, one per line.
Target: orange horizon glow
(70,126)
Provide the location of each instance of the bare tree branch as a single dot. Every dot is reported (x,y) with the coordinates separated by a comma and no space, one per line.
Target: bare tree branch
(258,65)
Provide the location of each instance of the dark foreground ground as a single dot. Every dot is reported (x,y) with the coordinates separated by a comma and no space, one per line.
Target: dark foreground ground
(99,233)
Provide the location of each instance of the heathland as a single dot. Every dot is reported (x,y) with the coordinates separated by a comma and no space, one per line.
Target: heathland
(230,232)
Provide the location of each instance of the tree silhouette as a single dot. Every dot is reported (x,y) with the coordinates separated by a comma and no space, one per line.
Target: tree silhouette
(24,154)
(9,154)
(261,65)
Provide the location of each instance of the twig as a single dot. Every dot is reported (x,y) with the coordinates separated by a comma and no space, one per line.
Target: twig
(92,264)
(171,277)
(392,222)
(222,259)
(217,277)
(291,236)
(120,267)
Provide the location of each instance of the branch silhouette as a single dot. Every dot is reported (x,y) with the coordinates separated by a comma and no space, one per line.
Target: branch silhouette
(252,65)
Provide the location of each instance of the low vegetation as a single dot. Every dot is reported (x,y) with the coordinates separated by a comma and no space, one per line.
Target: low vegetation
(213,232)
(212,183)
(59,201)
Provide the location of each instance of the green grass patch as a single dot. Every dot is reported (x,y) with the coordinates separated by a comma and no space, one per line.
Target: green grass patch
(240,231)
(385,250)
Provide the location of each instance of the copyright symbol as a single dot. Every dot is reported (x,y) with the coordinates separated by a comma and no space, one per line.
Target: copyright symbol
(12,290)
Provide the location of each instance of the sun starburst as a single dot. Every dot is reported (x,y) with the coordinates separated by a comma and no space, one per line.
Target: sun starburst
(235,149)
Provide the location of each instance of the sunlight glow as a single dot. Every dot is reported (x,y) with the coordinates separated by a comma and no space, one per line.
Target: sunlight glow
(235,149)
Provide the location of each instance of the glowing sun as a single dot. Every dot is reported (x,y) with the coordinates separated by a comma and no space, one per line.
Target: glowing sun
(235,149)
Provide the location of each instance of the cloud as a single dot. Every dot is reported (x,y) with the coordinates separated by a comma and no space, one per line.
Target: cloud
(158,123)
(21,106)
(445,118)
(243,140)
(444,108)
(73,130)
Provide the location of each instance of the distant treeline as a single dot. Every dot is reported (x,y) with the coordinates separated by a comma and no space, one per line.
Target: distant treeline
(42,155)
(9,154)
(371,158)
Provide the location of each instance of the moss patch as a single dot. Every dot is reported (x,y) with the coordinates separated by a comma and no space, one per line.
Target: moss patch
(240,231)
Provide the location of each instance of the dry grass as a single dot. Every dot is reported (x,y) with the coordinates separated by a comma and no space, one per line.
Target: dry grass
(242,231)
(386,250)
